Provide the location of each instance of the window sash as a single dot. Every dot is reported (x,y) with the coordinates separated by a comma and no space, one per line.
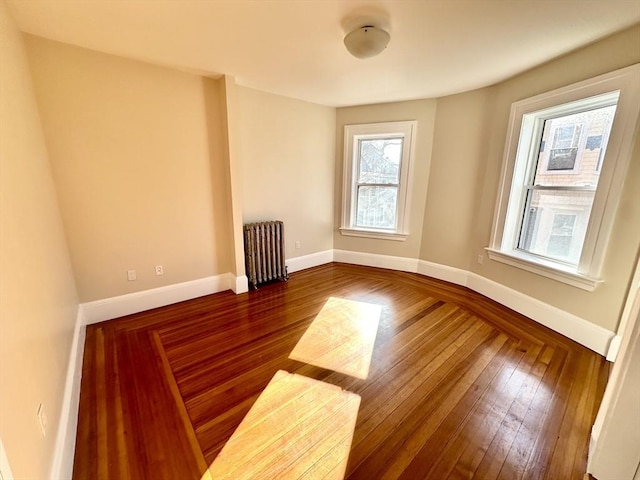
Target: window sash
(384,186)
(526,120)
(353,137)
(525,236)
(357,184)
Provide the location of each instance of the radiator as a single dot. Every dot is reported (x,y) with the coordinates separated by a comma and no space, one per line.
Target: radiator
(264,252)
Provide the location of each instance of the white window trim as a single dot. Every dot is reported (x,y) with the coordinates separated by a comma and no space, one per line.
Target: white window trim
(619,148)
(353,133)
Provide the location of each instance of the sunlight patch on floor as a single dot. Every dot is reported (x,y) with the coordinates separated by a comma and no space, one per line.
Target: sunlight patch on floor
(298,428)
(341,337)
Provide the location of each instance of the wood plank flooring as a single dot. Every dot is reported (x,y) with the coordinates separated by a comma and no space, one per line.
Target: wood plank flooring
(341,337)
(459,387)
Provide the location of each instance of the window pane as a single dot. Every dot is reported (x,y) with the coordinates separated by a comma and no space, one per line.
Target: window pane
(555,224)
(380,160)
(376,207)
(561,234)
(562,159)
(572,146)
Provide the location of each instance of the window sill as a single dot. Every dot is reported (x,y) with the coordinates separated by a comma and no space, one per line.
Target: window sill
(350,232)
(546,269)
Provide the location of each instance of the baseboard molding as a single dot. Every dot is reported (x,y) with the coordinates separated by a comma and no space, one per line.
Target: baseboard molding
(592,336)
(303,262)
(582,331)
(443,272)
(402,264)
(614,348)
(122,305)
(62,465)
(588,334)
(241,283)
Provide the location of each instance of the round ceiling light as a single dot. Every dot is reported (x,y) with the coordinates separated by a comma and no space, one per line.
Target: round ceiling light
(366,41)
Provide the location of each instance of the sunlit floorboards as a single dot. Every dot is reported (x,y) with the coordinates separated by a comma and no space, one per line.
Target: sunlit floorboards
(458,386)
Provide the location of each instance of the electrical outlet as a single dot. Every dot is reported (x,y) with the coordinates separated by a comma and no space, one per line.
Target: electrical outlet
(297,243)
(42,420)
(159,270)
(480,259)
(131,275)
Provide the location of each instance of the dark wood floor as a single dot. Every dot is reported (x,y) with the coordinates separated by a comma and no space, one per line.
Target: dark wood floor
(459,386)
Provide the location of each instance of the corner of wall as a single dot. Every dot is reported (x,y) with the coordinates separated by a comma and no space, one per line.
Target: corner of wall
(5,468)
(239,284)
(62,465)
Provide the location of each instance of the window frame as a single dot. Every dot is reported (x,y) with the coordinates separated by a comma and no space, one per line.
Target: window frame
(352,136)
(503,246)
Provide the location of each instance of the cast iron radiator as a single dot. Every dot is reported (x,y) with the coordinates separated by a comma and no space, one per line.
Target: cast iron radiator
(264,252)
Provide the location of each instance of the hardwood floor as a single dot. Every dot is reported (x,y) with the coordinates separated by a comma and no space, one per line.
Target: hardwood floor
(458,386)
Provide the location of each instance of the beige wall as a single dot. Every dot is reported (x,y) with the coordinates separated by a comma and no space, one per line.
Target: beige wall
(603,306)
(456,165)
(38,302)
(424,112)
(145,176)
(138,166)
(233,166)
(286,148)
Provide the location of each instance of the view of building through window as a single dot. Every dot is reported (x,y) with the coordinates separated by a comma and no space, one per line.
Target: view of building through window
(560,195)
(378,182)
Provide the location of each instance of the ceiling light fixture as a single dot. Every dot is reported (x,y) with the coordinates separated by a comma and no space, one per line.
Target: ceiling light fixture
(367,41)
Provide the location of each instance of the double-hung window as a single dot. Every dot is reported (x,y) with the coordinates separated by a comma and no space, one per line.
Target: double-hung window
(377,164)
(566,156)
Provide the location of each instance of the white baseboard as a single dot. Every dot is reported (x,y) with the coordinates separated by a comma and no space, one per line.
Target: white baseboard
(614,348)
(303,262)
(443,272)
(115,307)
(402,264)
(241,283)
(62,465)
(588,334)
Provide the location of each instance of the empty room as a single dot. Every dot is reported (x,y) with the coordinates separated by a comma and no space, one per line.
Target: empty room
(319,239)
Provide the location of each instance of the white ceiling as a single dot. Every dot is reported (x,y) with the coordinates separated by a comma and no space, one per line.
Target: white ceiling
(294,47)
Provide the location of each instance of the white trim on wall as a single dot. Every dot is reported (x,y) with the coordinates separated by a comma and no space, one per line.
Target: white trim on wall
(122,305)
(303,262)
(592,336)
(588,334)
(62,465)
(626,317)
(115,307)
(5,468)
(443,272)
(402,264)
(582,331)
(241,284)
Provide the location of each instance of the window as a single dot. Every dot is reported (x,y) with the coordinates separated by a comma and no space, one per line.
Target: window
(377,182)
(563,179)
(564,150)
(377,164)
(565,160)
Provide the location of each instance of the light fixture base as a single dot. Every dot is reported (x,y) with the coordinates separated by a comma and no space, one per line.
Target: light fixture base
(367,41)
